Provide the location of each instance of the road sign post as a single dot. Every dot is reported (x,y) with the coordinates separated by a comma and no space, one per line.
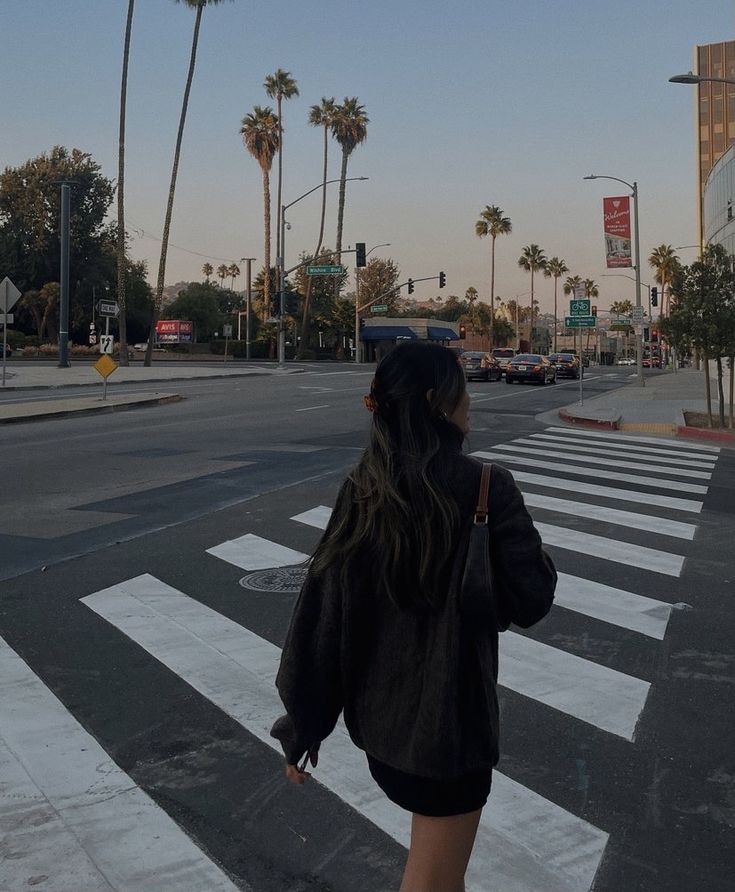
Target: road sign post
(105,366)
(9,295)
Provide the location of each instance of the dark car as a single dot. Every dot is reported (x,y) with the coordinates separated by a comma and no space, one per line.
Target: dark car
(477,364)
(566,365)
(531,367)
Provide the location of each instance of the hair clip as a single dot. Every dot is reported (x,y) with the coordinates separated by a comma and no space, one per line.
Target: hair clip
(371,404)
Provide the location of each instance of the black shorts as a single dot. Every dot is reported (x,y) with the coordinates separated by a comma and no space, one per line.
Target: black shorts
(433,798)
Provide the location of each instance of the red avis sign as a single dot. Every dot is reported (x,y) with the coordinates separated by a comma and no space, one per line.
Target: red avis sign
(174,331)
(616,216)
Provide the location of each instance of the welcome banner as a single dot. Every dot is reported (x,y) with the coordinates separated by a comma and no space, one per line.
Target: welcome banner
(616,213)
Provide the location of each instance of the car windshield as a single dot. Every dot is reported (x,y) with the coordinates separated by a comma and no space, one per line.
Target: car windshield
(474,355)
(504,353)
(528,357)
(564,357)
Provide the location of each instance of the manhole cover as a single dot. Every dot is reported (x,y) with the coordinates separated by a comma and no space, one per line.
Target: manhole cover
(282,579)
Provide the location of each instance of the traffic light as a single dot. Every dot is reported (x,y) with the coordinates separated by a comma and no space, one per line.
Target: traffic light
(654,336)
(654,296)
(410,286)
(462,332)
(360,254)
(292,303)
(275,305)
(594,310)
(646,335)
(442,280)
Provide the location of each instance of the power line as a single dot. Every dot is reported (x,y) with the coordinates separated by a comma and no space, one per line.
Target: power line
(141,233)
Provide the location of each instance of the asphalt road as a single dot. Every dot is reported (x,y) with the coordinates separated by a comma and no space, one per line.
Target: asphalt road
(135,546)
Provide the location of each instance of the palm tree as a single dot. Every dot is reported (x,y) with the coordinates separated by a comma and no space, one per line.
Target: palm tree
(207,271)
(556,268)
(121,260)
(280,86)
(233,271)
(260,131)
(590,288)
(492,223)
(664,260)
(532,258)
(199,6)
(349,128)
(321,115)
(223,272)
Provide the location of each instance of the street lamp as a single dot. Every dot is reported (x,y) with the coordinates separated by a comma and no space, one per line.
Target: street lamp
(248,300)
(357,300)
(640,381)
(691,78)
(282,267)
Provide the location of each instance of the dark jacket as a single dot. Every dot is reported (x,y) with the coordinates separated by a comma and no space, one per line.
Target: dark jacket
(417,686)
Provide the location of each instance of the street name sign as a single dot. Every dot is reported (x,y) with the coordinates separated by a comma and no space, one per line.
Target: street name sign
(109,308)
(580,321)
(325,270)
(9,294)
(580,307)
(380,308)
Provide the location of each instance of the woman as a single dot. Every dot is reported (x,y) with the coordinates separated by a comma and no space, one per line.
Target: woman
(378,630)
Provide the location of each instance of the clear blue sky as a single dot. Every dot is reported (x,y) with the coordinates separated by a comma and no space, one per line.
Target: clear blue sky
(472,102)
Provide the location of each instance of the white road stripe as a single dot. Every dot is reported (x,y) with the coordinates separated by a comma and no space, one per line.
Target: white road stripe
(315,517)
(629,448)
(71,814)
(255,553)
(657,482)
(594,449)
(613,605)
(525,842)
(632,438)
(593,693)
(650,523)
(608,492)
(606,462)
(311,408)
(612,549)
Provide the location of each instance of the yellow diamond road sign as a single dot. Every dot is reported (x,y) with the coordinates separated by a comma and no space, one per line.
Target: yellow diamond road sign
(105,365)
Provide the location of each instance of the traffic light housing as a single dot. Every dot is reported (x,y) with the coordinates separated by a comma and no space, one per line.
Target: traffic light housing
(410,286)
(275,308)
(654,297)
(442,280)
(462,332)
(292,303)
(360,259)
(594,310)
(654,336)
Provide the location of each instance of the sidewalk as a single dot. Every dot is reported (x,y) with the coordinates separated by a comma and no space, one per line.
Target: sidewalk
(22,376)
(656,408)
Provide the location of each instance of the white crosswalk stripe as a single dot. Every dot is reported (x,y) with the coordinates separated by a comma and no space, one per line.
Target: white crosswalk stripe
(626,448)
(614,436)
(701,464)
(255,553)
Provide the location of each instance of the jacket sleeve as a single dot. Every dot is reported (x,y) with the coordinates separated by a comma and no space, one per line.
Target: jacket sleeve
(524,575)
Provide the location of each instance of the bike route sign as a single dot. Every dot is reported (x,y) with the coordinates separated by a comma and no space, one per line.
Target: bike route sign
(580,307)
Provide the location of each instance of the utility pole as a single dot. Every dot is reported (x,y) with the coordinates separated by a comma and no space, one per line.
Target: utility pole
(64,278)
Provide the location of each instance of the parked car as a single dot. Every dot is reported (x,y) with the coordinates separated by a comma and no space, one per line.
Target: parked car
(478,364)
(651,362)
(531,367)
(626,361)
(566,365)
(503,356)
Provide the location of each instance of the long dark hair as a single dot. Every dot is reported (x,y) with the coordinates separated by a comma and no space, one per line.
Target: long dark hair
(396,513)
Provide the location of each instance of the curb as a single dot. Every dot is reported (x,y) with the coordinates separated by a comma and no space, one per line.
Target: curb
(183,379)
(700,433)
(90,410)
(612,424)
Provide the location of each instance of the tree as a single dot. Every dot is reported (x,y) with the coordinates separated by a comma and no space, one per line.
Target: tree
(621,307)
(379,280)
(260,135)
(44,305)
(492,223)
(223,272)
(198,303)
(233,271)
(349,128)
(199,6)
(665,263)
(532,259)
(121,247)
(280,86)
(590,288)
(207,271)
(555,268)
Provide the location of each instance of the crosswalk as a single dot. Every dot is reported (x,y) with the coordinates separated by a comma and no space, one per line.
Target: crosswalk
(620,515)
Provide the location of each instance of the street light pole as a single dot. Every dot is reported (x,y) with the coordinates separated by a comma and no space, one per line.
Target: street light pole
(640,380)
(357,300)
(282,267)
(248,301)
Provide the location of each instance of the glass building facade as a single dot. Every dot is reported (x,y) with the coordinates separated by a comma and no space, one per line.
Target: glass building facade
(719,193)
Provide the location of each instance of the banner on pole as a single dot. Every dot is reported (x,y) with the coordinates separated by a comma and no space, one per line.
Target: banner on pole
(616,213)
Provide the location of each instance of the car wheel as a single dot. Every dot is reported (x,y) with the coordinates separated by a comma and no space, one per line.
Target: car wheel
(508,379)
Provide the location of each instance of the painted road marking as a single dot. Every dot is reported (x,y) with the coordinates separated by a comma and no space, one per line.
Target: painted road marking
(651,524)
(315,517)
(678,485)
(311,408)
(608,492)
(72,814)
(607,462)
(252,552)
(593,449)
(525,841)
(530,390)
(628,448)
(611,549)
(613,605)
(613,435)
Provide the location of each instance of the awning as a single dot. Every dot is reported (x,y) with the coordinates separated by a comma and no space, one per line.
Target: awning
(387,333)
(437,333)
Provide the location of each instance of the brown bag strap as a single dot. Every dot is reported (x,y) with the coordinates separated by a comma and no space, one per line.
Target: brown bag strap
(481,510)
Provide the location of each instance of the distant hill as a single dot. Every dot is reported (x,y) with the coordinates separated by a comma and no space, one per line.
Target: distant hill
(171,292)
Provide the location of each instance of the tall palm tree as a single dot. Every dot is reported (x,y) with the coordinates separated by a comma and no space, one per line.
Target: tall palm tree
(223,272)
(199,6)
(349,128)
(492,223)
(591,288)
(233,270)
(121,259)
(280,86)
(260,132)
(665,262)
(207,271)
(321,115)
(556,268)
(532,259)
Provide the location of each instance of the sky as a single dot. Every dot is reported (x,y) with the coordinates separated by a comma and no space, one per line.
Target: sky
(471,103)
